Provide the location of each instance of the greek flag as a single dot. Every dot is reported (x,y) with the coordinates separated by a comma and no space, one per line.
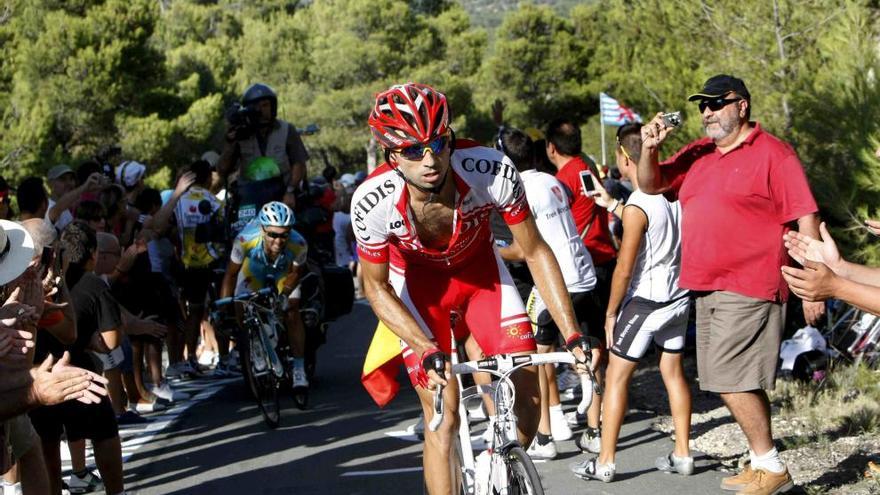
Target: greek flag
(613,113)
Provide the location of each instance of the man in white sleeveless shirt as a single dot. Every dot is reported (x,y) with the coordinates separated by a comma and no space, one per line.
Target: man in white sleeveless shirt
(646,306)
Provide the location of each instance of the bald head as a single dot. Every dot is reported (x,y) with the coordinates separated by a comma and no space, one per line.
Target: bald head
(108,253)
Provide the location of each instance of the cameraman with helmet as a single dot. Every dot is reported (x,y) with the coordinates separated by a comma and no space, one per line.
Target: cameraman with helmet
(263,154)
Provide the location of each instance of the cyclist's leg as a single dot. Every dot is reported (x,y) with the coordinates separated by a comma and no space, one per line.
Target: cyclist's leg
(296,333)
(431,311)
(498,321)
(474,352)
(438,447)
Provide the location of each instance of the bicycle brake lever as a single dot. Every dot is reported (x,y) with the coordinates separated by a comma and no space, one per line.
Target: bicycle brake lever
(438,409)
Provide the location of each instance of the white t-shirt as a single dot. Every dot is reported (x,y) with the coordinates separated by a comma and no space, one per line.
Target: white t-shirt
(549,204)
(64,218)
(658,265)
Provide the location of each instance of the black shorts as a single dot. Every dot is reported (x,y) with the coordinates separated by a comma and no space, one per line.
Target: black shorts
(196,282)
(587,310)
(80,421)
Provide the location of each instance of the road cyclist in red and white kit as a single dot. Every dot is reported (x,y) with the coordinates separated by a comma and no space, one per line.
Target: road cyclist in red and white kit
(421,221)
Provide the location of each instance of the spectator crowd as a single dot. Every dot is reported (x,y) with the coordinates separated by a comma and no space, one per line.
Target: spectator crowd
(105,282)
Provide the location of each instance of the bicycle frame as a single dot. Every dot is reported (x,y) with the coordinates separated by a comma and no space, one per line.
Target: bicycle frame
(504,436)
(256,317)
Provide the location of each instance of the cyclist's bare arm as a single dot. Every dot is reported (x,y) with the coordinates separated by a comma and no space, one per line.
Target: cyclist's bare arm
(548,278)
(391,310)
(228,286)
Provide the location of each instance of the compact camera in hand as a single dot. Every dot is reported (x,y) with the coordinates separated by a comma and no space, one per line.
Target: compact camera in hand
(671,119)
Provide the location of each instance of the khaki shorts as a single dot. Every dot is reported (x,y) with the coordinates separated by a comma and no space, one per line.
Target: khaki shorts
(738,340)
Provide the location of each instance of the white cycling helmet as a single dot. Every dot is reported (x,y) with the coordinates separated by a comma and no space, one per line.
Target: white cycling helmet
(276,214)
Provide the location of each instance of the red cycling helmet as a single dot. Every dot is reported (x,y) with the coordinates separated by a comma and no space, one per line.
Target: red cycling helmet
(408,114)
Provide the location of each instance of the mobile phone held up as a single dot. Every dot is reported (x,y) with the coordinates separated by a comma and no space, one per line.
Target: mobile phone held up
(587,182)
(671,119)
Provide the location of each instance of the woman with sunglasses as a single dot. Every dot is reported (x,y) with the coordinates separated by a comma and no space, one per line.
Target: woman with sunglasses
(267,251)
(421,221)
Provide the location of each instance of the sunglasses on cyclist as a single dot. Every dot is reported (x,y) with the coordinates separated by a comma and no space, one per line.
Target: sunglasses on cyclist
(715,104)
(417,151)
(277,235)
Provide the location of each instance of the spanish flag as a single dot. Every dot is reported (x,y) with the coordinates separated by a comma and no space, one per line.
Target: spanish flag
(381,366)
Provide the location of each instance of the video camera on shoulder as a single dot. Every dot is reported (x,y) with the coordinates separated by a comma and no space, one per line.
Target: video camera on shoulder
(243,120)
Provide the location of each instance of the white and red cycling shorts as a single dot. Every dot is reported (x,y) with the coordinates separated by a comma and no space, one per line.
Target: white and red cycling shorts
(481,291)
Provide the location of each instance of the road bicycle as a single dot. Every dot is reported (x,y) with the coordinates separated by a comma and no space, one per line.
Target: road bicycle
(504,468)
(257,342)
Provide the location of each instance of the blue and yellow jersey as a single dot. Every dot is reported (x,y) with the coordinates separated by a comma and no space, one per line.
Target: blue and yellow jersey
(195,210)
(256,269)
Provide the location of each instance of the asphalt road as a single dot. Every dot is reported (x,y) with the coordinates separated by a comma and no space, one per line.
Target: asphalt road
(344,444)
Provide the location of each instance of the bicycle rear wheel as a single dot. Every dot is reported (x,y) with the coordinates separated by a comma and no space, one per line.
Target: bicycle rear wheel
(263,384)
(522,476)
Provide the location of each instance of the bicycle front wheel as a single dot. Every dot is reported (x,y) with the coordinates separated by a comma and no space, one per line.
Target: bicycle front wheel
(262,383)
(522,477)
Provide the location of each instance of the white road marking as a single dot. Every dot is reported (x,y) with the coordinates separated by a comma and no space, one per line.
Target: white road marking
(382,472)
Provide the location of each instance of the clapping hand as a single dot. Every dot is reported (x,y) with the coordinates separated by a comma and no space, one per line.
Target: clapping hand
(803,248)
(55,383)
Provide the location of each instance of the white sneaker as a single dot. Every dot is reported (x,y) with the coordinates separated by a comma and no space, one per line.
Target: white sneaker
(559,428)
(589,441)
(300,380)
(207,358)
(545,452)
(591,469)
(165,392)
(11,488)
(87,484)
(179,371)
(148,407)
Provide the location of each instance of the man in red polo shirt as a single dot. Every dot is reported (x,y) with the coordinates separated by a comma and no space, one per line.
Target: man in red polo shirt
(591,220)
(740,189)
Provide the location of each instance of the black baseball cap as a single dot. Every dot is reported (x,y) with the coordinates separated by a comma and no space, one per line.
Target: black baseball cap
(720,85)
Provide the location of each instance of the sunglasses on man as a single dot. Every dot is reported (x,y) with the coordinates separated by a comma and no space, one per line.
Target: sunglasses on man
(715,104)
(277,235)
(417,151)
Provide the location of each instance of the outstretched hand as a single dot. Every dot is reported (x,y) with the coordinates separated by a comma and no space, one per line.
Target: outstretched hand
(814,282)
(802,247)
(873,226)
(600,195)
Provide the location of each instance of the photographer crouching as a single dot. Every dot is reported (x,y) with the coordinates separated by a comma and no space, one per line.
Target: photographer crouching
(263,158)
